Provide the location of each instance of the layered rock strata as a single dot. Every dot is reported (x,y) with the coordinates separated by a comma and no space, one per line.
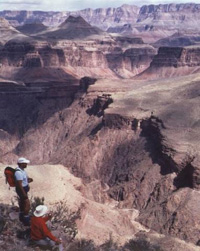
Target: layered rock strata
(119,57)
(177,57)
(173,61)
(126,13)
(152,22)
(180,14)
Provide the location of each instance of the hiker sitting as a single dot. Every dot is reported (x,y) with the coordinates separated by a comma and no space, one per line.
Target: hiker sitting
(40,234)
(22,188)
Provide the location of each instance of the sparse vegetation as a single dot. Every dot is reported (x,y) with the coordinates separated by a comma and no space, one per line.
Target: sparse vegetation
(64,220)
(35,201)
(82,245)
(140,245)
(109,245)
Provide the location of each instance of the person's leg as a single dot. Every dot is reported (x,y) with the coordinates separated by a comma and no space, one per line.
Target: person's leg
(20,203)
(24,206)
(45,243)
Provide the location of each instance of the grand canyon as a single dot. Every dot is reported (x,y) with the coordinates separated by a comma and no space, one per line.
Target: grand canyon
(106,105)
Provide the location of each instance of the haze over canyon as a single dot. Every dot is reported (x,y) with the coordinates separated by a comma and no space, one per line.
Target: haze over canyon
(108,101)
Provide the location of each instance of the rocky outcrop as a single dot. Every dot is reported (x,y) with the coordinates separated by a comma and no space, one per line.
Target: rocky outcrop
(14,51)
(30,53)
(178,40)
(32,28)
(177,57)
(123,40)
(138,58)
(8,32)
(173,61)
(72,28)
(169,216)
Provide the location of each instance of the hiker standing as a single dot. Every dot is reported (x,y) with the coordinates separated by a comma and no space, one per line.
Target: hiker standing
(40,234)
(22,187)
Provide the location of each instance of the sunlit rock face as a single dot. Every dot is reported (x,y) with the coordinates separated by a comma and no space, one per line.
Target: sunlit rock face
(7,31)
(102,18)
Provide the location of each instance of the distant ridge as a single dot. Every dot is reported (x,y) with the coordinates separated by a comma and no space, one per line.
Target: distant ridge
(76,22)
(73,28)
(31,28)
(7,31)
(153,21)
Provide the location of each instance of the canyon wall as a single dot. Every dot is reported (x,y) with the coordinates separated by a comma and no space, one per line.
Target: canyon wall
(120,58)
(177,57)
(144,154)
(153,22)
(100,17)
(104,18)
(173,61)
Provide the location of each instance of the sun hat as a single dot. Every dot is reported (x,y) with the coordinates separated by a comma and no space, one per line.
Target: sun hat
(23,160)
(40,210)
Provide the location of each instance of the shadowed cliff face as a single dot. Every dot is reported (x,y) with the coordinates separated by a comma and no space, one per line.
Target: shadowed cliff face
(173,61)
(30,54)
(177,57)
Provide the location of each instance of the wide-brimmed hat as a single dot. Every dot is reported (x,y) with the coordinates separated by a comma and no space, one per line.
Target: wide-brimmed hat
(40,210)
(23,160)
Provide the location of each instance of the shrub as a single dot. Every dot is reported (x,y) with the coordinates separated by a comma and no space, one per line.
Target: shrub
(35,201)
(64,220)
(109,245)
(141,245)
(82,245)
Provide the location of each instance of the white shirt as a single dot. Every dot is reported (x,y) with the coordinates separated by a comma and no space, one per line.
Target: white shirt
(21,175)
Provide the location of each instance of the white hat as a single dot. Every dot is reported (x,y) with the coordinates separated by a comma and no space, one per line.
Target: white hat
(23,160)
(40,210)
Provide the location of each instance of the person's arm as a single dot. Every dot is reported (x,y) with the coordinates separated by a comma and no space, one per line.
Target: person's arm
(48,217)
(47,233)
(30,180)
